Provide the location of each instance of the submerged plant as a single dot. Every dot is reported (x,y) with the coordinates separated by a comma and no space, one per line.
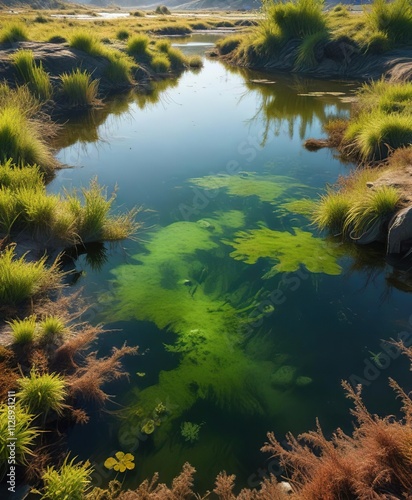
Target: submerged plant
(190,431)
(291,250)
(122,462)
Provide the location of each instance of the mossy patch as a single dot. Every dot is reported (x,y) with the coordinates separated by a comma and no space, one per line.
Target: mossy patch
(291,250)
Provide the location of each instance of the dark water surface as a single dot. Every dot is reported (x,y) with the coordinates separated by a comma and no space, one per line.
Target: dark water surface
(246,318)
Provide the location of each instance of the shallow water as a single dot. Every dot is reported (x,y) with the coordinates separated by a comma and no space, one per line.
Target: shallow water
(246,318)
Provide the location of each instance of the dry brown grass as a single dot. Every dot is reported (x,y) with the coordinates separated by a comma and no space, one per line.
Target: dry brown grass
(373,462)
(87,380)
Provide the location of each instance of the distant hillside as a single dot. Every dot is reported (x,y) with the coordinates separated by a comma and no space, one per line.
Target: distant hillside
(34,4)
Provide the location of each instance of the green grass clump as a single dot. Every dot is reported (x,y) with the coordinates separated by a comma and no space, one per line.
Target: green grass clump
(42,393)
(392,18)
(32,74)
(138,45)
(194,62)
(78,89)
(23,330)
(13,33)
(51,327)
(331,211)
(90,209)
(122,34)
(177,59)
(376,203)
(120,66)
(70,482)
(172,29)
(297,19)
(163,46)
(373,135)
(13,177)
(24,432)
(85,42)
(229,44)
(306,57)
(160,63)
(21,280)
(162,9)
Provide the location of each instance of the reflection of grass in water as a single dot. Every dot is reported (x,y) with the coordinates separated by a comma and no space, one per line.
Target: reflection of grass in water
(279,104)
(291,250)
(267,188)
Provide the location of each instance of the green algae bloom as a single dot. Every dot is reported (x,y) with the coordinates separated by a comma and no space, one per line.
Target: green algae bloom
(290,250)
(267,188)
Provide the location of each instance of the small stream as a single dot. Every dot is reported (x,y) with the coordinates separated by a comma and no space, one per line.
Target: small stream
(246,318)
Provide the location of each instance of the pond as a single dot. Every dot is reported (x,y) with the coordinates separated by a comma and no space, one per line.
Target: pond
(246,318)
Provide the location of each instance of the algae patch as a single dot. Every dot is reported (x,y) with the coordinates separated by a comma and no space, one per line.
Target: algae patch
(291,250)
(267,188)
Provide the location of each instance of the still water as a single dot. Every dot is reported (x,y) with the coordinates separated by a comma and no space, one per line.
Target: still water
(246,318)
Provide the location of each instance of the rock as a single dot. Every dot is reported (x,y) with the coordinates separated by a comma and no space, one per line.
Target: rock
(400,230)
(374,233)
(285,487)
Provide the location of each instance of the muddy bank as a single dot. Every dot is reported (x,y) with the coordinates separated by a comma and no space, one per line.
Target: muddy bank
(334,59)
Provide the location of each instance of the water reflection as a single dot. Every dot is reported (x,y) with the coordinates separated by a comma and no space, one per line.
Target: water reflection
(294,99)
(83,128)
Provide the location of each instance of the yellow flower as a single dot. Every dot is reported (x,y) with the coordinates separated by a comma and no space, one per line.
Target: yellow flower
(121,463)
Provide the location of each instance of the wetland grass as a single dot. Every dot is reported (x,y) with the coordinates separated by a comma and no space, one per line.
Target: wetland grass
(41,393)
(13,32)
(32,74)
(25,434)
(21,280)
(23,330)
(69,482)
(78,89)
(21,140)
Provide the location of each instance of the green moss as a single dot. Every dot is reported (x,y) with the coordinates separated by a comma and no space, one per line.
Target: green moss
(290,250)
(266,187)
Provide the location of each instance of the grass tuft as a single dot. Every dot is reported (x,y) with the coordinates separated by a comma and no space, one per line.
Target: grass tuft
(21,280)
(78,89)
(32,74)
(70,482)
(13,33)
(23,330)
(42,393)
(25,434)
(52,327)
